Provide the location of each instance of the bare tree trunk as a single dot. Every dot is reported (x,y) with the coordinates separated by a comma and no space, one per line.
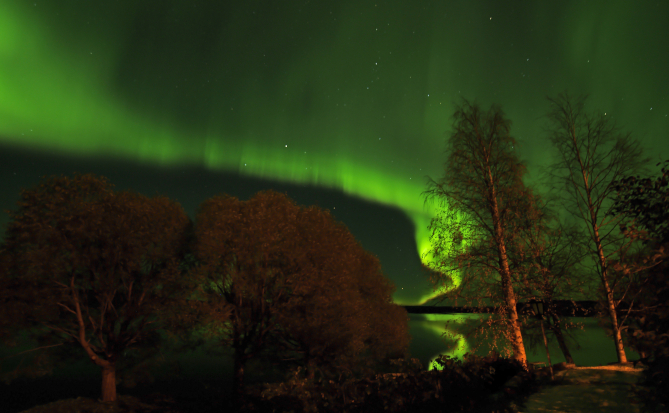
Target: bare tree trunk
(516,334)
(514,322)
(548,354)
(617,337)
(560,338)
(507,285)
(109,384)
(108,366)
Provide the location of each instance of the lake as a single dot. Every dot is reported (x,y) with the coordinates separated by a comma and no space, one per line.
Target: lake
(427,343)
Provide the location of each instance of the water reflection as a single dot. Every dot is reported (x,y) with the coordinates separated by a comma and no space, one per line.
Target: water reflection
(590,346)
(430,339)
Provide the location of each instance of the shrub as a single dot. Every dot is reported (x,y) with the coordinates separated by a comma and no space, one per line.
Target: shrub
(456,387)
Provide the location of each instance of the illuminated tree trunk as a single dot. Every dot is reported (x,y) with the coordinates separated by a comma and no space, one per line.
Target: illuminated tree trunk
(108,371)
(514,323)
(617,336)
(109,383)
(507,286)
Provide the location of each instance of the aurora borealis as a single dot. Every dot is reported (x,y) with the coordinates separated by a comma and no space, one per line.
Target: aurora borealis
(341,103)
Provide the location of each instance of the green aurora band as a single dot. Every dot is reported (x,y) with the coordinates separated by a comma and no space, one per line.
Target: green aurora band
(70,109)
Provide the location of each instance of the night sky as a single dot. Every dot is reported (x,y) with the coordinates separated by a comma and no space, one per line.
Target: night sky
(344,104)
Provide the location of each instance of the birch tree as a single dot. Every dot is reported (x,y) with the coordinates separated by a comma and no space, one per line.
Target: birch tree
(481,195)
(546,260)
(591,155)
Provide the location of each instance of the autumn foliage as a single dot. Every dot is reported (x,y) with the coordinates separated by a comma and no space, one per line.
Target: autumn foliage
(299,285)
(481,195)
(85,266)
(88,268)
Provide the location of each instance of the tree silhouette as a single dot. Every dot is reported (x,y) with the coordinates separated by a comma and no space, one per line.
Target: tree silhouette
(482,194)
(293,280)
(643,204)
(86,267)
(591,156)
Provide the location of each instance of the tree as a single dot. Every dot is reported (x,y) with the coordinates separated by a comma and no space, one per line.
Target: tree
(294,280)
(643,204)
(327,329)
(591,155)
(87,267)
(543,259)
(546,257)
(481,195)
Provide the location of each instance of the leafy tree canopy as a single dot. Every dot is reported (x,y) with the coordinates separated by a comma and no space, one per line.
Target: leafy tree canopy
(87,266)
(297,284)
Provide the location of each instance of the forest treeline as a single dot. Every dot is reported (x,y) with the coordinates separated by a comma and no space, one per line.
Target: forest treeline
(561,308)
(90,271)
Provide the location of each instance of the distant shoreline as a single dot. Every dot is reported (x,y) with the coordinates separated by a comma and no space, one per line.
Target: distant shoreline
(565,308)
